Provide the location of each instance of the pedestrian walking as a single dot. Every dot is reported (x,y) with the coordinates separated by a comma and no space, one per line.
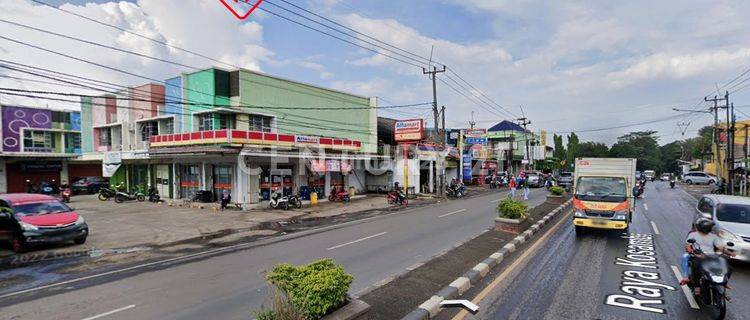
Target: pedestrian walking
(525,185)
(512,185)
(225,199)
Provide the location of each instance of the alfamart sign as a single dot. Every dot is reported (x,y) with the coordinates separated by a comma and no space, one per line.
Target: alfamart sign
(409,130)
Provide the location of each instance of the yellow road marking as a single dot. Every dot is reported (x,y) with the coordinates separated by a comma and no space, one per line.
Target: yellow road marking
(514,266)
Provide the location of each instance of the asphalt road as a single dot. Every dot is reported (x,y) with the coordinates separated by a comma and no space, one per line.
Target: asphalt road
(229,286)
(571,278)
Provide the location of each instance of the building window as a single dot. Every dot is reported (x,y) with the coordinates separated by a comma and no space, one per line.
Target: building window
(226,121)
(60,117)
(38,141)
(148,129)
(72,142)
(260,123)
(205,122)
(105,137)
(168,126)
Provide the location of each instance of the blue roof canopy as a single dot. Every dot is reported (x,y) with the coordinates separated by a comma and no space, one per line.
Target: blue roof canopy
(506,125)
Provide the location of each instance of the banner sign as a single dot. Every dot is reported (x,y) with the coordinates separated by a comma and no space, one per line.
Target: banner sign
(307,139)
(409,130)
(112,162)
(475,133)
(40,166)
(318,165)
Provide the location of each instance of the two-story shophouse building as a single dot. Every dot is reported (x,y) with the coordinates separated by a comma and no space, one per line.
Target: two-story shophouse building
(238,131)
(38,145)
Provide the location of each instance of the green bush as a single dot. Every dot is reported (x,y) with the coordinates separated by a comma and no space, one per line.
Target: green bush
(557,190)
(314,289)
(512,209)
(266,315)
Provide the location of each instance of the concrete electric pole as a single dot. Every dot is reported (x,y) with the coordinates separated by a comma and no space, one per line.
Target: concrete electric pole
(436,113)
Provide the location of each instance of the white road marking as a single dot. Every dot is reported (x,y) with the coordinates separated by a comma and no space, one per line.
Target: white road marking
(497,200)
(656,230)
(452,213)
(101,315)
(685,289)
(355,241)
(645,206)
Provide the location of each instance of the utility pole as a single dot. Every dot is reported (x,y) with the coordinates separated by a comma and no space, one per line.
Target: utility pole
(717,141)
(524,122)
(433,76)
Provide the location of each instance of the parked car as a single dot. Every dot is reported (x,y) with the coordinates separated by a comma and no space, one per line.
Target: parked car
(28,219)
(89,185)
(731,214)
(535,179)
(565,180)
(698,177)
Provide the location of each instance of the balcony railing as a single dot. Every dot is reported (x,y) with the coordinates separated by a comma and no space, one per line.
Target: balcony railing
(241,137)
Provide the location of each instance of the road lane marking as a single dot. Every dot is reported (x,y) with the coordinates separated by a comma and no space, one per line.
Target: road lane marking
(497,200)
(656,230)
(101,315)
(513,267)
(688,295)
(452,213)
(645,206)
(355,241)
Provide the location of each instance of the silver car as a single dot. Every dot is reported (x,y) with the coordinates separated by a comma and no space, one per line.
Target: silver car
(731,214)
(697,177)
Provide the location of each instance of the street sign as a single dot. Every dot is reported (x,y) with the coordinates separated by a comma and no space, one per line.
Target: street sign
(476,133)
(472,140)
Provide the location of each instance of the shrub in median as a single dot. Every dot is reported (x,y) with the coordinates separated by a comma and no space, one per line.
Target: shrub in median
(557,190)
(512,209)
(314,289)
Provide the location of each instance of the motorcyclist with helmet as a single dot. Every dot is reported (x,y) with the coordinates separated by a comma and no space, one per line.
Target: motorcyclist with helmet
(709,243)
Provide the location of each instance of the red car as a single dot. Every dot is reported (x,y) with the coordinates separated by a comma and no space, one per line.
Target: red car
(28,219)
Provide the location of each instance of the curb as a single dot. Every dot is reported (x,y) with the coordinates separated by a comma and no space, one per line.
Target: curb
(430,308)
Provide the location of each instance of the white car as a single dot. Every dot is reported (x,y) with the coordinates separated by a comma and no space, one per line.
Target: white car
(666,177)
(697,177)
(731,214)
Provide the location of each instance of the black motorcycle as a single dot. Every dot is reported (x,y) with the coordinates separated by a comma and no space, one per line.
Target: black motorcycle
(153,195)
(455,191)
(121,197)
(106,194)
(712,276)
(294,201)
(671,184)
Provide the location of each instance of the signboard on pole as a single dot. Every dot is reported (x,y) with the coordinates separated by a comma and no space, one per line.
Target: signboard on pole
(112,162)
(475,133)
(409,130)
(472,140)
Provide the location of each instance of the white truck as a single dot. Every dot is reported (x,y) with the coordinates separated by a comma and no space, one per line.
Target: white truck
(603,193)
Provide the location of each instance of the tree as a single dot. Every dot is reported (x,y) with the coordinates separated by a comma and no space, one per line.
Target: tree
(669,154)
(559,147)
(593,150)
(641,145)
(572,150)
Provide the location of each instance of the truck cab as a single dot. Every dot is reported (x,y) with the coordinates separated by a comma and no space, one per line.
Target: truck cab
(602,194)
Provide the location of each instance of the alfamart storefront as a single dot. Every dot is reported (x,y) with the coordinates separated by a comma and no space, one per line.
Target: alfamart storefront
(252,165)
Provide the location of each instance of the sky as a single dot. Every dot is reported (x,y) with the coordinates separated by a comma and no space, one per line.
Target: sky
(566,65)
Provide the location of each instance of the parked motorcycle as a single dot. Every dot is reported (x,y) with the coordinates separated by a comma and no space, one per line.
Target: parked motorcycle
(339,195)
(48,188)
(106,194)
(397,198)
(295,201)
(153,195)
(712,278)
(65,193)
(279,201)
(121,197)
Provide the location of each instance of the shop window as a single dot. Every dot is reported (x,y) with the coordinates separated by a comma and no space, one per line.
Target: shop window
(190,176)
(38,141)
(222,180)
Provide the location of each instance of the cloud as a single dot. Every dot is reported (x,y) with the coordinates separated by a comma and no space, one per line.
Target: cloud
(176,25)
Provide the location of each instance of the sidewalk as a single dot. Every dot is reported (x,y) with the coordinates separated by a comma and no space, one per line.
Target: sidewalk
(144,224)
